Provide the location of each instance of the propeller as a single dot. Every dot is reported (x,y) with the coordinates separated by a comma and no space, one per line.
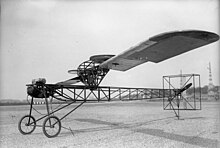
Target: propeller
(186,87)
(179,91)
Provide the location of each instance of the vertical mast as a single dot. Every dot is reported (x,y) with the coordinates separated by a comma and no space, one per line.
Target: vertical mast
(211,93)
(210,77)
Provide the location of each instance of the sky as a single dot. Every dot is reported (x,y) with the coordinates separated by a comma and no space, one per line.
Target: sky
(46,38)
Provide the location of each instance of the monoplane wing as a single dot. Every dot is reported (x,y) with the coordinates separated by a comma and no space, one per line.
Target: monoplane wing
(160,48)
(70,81)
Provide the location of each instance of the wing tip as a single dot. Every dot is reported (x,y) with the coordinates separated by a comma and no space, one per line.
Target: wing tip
(72,71)
(101,58)
(199,34)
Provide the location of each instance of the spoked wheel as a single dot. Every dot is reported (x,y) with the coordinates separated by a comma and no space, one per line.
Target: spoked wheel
(51,126)
(27,125)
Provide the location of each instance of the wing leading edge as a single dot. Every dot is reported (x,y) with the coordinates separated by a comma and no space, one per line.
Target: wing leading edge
(160,48)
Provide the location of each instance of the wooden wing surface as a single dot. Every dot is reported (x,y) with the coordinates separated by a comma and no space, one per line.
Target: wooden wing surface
(160,48)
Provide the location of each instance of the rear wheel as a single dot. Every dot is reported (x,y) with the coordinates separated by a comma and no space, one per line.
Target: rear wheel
(27,125)
(51,126)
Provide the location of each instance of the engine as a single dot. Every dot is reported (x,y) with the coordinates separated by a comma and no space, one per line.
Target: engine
(37,89)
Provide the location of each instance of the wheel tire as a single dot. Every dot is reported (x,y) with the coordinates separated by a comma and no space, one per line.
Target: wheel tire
(24,125)
(51,126)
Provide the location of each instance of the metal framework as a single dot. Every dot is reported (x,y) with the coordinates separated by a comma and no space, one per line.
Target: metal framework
(66,95)
(177,97)
(91,74)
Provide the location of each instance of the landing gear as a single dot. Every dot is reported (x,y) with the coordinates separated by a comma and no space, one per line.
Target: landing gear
(27,125)
(51,126)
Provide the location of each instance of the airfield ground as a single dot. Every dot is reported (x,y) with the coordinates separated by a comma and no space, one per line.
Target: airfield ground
(135,124)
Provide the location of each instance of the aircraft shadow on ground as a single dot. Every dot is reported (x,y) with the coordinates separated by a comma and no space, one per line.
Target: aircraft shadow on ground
(136,127)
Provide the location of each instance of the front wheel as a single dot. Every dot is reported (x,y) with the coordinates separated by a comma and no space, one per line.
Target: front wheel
(51,126)
(27,125)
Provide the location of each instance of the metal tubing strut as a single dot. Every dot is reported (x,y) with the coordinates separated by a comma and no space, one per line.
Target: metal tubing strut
(47,106)
(55,111)
(73,110)
(32,101)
